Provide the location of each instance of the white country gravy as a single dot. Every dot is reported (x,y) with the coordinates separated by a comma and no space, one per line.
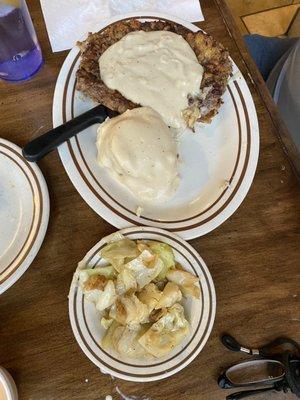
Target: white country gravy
(140,152)
(156,69)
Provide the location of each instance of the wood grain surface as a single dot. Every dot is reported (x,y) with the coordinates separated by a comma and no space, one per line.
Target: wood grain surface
(254,257)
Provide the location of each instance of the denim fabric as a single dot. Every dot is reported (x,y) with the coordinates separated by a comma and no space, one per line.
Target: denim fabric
(266,51)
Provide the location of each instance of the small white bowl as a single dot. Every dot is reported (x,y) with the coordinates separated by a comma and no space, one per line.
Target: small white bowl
(8,388)
(200,313)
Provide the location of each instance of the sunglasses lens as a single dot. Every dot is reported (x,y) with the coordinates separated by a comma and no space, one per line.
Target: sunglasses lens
(295,368)
(255,371)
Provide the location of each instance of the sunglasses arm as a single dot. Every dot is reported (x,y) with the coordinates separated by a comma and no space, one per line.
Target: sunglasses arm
(247,393)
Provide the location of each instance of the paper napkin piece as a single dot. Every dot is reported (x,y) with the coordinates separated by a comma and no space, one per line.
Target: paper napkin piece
(70,20)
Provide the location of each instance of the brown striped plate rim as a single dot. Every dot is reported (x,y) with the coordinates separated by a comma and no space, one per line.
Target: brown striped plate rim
(33,239)
(160,369)
(108,206)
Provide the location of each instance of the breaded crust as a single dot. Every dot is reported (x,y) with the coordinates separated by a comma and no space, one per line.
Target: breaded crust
(210,54)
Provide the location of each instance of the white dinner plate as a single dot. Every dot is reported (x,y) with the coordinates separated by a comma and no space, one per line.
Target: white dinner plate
(218,167)
(200,313)
(24,213)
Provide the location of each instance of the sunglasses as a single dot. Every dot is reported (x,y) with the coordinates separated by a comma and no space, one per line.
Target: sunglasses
(275,367)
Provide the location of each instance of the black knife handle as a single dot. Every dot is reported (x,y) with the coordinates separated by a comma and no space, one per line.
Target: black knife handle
(42,145)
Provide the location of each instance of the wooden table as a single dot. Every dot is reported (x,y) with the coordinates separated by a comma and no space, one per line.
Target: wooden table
(254,257)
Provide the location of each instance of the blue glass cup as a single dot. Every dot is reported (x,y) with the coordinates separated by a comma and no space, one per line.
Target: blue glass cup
(20,52)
